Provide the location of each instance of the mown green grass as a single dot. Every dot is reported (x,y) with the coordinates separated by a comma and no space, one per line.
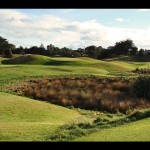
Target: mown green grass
(8,72)
(135,131)
(24,119)
(42,65)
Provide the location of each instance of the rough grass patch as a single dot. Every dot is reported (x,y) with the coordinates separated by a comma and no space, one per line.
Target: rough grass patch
(94,93)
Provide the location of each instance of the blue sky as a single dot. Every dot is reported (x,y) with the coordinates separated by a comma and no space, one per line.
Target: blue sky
(75,28)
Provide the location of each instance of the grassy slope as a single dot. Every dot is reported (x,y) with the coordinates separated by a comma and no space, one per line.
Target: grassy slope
(23,119)
(136,131)
(66,66)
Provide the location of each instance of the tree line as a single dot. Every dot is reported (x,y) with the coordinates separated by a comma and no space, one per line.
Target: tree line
(125,47)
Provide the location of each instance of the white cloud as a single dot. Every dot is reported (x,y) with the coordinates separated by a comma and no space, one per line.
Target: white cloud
(68,10)
(122,20)
(28,30)
(143,10)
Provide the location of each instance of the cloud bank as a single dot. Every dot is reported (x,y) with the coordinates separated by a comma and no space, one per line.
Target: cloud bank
(30,29)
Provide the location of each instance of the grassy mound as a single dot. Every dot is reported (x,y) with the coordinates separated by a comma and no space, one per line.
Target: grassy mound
(44,60)
(27,59)
(23,119)
(82,61)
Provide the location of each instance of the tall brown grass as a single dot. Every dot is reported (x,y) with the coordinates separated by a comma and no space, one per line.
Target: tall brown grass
(96,93)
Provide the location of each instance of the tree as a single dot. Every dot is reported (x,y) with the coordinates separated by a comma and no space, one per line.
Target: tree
(6,48)
(133,51)
(81,52)
(3,45)
(123,47)
(50,47)
(91,51)
(19,50)
(141,52)
(66,52)
(22,51)
(75,53)
(35,50)
(7,53)
(42,46)
(105,53)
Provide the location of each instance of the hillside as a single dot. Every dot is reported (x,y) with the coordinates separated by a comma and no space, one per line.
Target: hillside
(37,65)
(124,62)
(30,120)
(27,59)
(44,60)
(135,131)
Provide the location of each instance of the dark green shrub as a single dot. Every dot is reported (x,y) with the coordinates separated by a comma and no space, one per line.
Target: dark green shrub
(137,115)
(141,87)
(100,120)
